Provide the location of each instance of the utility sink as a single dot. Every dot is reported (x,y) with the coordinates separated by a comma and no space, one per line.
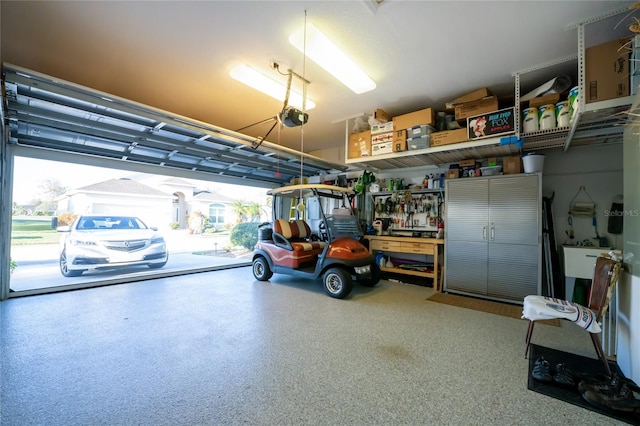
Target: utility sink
(579,262)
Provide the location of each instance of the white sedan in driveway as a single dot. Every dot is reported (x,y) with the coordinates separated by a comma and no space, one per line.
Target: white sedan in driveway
(107,242)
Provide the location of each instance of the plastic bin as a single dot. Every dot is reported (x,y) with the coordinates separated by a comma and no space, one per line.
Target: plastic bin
(417,131)
(421,142)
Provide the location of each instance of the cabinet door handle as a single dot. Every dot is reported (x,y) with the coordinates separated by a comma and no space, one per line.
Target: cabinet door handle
(484,232)
(493,232)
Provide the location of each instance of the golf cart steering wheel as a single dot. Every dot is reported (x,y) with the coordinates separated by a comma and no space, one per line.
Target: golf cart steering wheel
(322,228)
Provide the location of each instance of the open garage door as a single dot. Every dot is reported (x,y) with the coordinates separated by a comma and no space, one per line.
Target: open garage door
(50,119)
(53,114)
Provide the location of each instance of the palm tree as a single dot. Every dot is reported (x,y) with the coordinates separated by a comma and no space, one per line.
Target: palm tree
(255,210)
(239,208)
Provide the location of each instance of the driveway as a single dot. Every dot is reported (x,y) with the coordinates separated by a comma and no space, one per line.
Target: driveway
(38,264)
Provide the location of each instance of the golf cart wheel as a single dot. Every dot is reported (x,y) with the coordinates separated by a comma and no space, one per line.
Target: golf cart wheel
(337,283)
(375,276)
(64,269)
(261,269)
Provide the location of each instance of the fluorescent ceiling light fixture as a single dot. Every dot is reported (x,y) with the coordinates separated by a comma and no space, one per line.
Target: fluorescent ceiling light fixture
(326,54)
(268,86)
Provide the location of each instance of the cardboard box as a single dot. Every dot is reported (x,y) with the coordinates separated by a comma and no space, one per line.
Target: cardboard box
(399,140)
(607,74)
(382,148)
(469,97)
(359,144)
(511,165)
(382,138)
(448,137)
(552,98)
(452,174)
(467,168)
(469,109)
(416,118)
(492,124)
(382,116)
(382,128)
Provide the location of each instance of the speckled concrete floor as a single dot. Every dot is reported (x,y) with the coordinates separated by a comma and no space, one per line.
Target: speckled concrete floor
(222,348)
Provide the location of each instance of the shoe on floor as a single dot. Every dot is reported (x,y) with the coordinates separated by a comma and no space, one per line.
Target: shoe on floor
(615,394)
(564,376)
(542,370)
(607,384)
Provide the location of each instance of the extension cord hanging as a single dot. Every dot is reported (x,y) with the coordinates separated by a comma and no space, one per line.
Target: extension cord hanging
(301,207)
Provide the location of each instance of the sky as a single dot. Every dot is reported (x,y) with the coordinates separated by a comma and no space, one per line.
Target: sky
(30,173)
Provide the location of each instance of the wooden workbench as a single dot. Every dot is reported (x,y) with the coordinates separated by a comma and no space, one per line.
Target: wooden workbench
(422,246)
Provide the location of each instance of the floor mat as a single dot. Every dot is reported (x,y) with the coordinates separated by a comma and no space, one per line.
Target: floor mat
(498,308)
(577,364)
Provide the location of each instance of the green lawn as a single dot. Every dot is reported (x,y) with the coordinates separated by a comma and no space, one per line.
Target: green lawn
(28,230)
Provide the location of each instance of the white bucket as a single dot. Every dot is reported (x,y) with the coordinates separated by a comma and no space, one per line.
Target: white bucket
(533,163)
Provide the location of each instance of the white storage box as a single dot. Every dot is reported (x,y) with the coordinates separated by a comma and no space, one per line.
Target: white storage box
(382,128)
(382,148)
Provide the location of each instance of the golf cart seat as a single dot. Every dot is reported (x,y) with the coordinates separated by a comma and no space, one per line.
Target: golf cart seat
(294,236)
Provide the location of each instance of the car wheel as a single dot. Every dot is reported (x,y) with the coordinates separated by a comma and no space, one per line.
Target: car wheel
(64,269)
(337,283)
(261,269)
(375,276)
(158,265)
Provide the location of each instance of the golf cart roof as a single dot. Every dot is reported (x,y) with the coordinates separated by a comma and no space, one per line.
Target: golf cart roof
(308,188)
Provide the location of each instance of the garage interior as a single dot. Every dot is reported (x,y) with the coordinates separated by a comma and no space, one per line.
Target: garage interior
(217,346)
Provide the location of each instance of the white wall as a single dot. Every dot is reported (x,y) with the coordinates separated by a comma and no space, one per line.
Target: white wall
(599,170)
(628,348)
(628,326)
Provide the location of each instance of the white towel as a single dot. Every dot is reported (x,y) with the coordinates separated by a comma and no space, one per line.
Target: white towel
(542,307)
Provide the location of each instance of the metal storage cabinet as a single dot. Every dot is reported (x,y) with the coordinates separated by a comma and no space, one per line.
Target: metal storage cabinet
(493,235)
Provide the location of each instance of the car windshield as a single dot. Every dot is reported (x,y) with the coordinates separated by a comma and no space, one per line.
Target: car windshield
(110,222)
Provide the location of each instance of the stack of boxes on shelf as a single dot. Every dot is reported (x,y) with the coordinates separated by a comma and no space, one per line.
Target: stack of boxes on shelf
(479,114)
(488,167)
(408,131)
(417,130)
(382,138)
(483,115)
(607,77)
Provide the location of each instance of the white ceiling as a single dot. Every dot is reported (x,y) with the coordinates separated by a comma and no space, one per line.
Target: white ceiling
(176,55)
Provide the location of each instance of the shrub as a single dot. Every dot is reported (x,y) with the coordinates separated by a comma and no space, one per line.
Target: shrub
(245,234)
(174,225)
(66,219)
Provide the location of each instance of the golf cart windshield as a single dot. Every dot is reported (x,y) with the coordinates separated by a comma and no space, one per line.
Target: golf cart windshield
(343,226)
(325,208)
